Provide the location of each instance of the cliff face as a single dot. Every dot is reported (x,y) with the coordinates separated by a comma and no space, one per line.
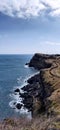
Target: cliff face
(42,94)
(39,61)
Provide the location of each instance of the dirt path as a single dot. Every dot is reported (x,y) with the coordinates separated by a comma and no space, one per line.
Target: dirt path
(53,70)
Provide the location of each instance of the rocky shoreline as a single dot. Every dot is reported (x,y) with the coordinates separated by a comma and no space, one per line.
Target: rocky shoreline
(41,96)
(37,91)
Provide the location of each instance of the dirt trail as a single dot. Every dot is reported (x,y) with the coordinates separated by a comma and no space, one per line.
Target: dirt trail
(53,70)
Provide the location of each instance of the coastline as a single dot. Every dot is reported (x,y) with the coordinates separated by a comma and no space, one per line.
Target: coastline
(41,96)
(18,99)
(36,91)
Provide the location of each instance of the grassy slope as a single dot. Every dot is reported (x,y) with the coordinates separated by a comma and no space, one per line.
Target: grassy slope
(51,76)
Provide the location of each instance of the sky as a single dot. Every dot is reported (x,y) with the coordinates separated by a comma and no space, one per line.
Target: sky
(29,26)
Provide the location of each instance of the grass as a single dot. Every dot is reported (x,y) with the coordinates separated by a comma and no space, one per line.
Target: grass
(57,125)
(53,82)
(40,123)
(58,70)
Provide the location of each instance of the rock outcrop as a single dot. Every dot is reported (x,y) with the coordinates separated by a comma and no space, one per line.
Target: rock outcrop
(39,61)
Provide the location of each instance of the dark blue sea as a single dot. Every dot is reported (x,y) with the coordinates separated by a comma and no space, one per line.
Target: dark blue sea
(13,74)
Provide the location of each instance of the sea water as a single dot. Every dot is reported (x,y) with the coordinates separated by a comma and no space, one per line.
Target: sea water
(13,74)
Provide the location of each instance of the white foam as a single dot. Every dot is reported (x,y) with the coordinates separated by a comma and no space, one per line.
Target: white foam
(19,80)
(11,104)
(17,99)
(25,80)
(22,111)
(26,66)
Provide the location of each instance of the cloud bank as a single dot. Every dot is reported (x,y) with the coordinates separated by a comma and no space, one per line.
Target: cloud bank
(30,8)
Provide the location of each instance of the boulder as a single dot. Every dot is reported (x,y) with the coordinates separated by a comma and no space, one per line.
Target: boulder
(18,106)
(17,90)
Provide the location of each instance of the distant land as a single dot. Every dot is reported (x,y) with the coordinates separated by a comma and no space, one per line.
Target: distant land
(41,96)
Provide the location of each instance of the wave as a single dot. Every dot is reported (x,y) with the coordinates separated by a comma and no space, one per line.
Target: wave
(26,66)
(32,75)
(15,97)
(23,111)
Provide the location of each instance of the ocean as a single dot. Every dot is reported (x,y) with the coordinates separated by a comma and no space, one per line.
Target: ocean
(13,74)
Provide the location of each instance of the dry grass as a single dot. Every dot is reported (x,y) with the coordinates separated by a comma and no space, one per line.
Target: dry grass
(41,123)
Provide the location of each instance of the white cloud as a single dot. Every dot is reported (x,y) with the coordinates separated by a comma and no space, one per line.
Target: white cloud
(30,8)
(55,13)
(52,43)
(21,8)
(54,4)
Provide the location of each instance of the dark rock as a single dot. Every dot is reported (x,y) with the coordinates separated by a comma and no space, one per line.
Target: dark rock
(28,103)
(24,95)
(25,88)
(34,79)
(14,103)
(18,106)
(39,61)
(17,90)
(27,64)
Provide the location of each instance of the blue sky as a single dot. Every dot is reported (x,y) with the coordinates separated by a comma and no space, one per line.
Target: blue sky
(29,27)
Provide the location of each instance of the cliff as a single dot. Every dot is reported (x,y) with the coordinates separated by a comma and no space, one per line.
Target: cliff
(39,61)
(41,96)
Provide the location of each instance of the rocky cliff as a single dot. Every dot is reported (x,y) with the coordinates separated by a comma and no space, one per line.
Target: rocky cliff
(42,94)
